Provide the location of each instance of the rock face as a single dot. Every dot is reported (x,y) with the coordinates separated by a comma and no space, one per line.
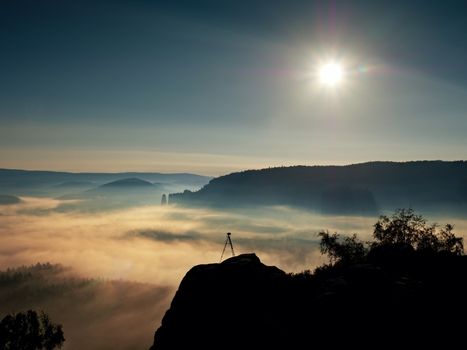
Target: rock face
(230,304)
(244,304)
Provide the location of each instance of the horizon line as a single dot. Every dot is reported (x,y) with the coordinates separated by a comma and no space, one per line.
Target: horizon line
(234,171)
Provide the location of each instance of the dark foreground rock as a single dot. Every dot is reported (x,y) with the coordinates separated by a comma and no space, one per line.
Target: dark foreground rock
(243,304)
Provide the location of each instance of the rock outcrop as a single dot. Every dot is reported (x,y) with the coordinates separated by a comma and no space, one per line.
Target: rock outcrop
(232,304)
(243,304)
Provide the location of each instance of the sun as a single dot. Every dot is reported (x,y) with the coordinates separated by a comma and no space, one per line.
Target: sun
(331,74)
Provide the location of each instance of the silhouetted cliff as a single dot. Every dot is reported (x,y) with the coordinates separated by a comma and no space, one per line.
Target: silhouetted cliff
(226,304)
(397,297)
(367,188)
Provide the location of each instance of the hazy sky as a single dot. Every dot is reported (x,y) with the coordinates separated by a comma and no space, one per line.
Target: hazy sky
(216,86)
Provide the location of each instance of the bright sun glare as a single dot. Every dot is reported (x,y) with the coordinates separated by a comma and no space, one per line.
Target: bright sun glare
(331,74)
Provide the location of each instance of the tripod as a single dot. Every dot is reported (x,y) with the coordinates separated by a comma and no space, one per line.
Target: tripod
(229,242)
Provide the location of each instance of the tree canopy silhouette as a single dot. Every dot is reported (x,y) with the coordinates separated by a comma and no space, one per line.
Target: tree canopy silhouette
(403,230)
(405,227)
(342,250)
(30,331)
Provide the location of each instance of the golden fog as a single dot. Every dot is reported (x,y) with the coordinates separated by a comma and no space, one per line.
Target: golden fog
(136,258)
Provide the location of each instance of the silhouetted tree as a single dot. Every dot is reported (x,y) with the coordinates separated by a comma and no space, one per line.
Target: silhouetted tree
(342,250)
(405,227)
(30,331)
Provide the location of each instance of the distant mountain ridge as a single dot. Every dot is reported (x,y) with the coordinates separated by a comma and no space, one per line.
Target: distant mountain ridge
(75,184)
(366,188)
(32,182)
(117,194)
(52,176)
(8,199)
(128,182)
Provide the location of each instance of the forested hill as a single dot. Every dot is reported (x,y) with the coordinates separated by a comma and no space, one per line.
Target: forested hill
(366,188)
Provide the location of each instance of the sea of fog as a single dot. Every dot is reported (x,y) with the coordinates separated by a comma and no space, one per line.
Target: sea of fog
(114,272)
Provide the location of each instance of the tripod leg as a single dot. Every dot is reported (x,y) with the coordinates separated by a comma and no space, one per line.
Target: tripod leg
(231,246)
(223,250)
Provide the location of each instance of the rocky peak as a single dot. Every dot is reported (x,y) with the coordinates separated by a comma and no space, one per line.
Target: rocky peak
(238,294)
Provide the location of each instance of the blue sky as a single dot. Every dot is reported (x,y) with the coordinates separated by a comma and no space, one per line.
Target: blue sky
(217,86)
